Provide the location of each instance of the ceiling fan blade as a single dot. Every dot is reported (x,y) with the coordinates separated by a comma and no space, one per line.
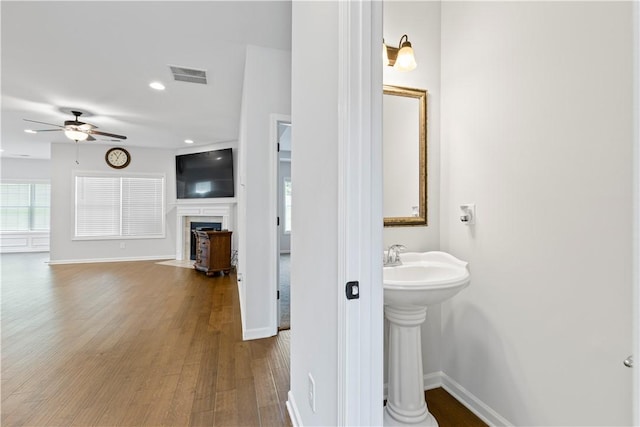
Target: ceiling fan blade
(86,126)
(110,135)
(43,123)
(47,130)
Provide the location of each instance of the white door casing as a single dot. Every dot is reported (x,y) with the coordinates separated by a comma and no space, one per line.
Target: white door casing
(360,321)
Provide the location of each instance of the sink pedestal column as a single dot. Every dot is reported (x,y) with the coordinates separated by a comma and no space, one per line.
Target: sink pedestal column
(405,397)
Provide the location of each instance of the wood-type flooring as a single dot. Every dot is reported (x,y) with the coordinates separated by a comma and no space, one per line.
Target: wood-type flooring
(141,344)
(132,343)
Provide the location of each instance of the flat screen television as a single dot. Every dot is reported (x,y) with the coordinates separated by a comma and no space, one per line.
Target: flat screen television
(205,175)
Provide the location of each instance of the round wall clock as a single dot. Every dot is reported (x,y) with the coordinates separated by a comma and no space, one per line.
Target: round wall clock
(118,158)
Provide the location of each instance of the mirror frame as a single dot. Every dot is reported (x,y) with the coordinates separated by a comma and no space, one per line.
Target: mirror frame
(421,95)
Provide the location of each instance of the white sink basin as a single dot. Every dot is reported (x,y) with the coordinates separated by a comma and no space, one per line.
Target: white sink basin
(424,279)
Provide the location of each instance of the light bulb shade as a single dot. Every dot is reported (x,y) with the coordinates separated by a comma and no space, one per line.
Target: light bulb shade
(76,135)
(405,61)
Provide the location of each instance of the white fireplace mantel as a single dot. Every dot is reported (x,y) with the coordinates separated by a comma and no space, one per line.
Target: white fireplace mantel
(201,209)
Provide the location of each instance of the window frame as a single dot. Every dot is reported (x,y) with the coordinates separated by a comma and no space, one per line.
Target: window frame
(30,182)
(286,214)
(119,175)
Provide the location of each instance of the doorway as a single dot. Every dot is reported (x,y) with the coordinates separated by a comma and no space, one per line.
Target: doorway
(284,223)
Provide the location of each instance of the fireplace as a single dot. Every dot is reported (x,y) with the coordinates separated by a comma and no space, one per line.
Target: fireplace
(218,213)
(195,226)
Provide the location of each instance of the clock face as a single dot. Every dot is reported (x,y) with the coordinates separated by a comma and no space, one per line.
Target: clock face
(118,158)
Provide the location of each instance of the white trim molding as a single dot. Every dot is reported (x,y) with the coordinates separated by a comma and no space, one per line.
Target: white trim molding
(209,209)
(465,397)
(292,409)
(475,405)
(28,241)
(95,260)
(257,333)
(360,321)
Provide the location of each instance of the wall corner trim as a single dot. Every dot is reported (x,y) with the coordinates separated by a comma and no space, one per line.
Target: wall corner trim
(475,405)
(292,409)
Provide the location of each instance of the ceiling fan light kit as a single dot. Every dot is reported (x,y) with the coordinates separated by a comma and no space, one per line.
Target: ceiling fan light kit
(76,135)
(77,130)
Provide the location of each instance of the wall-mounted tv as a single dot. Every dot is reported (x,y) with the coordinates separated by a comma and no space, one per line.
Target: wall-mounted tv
(205,175)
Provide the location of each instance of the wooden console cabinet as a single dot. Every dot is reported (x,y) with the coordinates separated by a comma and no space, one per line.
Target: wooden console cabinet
(213,251)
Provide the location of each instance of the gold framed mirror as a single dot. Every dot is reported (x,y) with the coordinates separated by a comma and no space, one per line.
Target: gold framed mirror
(404,143)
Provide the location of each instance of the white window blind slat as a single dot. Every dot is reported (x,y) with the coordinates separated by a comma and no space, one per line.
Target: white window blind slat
(97,206)
(142,211)
(40,207)
(24,206)
(119,207)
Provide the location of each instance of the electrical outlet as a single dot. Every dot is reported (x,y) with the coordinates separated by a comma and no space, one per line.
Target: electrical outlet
(122,245)
(312,393)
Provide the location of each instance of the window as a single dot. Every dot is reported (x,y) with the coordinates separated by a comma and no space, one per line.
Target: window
(25,206)
(287,205)
(119,207)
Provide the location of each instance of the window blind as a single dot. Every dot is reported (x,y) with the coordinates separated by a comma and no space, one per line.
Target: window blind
(111,207)
(24,206)
(40,207)
(142,203)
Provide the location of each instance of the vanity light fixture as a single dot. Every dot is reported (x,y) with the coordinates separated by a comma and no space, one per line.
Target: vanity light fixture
(188,141)
(401,58)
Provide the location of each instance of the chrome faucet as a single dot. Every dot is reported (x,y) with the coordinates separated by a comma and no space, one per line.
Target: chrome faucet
(393,255)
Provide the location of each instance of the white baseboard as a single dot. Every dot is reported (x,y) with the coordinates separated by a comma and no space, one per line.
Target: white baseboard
(292,409)
(241,299)
(94,260)
(432,380)
(475,405)
(257,333)
(462,395)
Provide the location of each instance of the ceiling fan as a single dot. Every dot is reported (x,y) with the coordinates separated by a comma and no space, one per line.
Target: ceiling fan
(77,130)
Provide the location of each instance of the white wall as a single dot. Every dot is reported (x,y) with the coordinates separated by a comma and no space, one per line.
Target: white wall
(314,171)
(91,158)
(25,170)
(421,22)
(13,168)
(266,91)
(537,131)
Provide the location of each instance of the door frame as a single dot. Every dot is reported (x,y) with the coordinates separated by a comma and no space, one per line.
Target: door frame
(635,395)
(274,234)
(360,246)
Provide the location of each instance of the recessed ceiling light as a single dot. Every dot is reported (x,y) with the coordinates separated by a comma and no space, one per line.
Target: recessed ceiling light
(30,131)
(188,141)
(156,85)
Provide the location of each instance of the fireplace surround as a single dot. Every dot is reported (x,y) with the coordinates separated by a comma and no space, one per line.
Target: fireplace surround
(201,212)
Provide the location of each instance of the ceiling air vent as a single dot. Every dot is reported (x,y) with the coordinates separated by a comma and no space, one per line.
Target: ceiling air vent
(191,75)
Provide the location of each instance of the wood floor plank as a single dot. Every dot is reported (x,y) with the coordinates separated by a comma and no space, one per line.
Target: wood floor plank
(226,410)
(141,344)
(124,344)
(449,412)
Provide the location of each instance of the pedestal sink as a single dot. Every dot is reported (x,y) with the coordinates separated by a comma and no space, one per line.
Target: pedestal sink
(423,279)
